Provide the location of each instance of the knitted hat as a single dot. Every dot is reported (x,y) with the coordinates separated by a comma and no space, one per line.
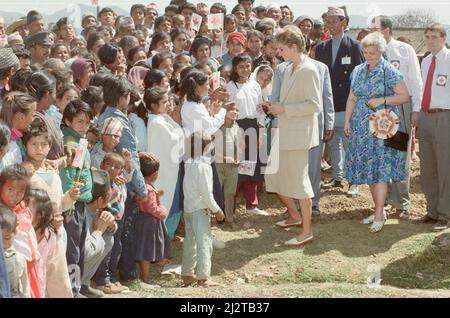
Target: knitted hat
(302,18)
(236,36)
(32,16)
(7,58)
(101,184)
(79,66)
(125,22)
(335,12)
(111,126)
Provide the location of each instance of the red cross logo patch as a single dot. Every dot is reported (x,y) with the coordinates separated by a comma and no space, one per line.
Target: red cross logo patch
(441,80)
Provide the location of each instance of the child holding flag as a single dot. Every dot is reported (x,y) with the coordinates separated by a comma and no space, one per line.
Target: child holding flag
(76,120)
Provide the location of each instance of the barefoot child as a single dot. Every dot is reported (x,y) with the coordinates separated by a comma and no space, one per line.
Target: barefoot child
(152,241)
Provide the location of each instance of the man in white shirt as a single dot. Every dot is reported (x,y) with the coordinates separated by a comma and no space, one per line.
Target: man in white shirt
(434,128)
(402,57)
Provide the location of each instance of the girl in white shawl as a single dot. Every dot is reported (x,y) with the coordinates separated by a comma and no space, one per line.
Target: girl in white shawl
(165,139)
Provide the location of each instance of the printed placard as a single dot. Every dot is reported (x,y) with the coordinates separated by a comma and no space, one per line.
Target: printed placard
(247,168)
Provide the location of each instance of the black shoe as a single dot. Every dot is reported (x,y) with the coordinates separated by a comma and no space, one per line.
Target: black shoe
(404,215)
(333,184)
(441,225)
(91,292)
(427,219)
(315,211)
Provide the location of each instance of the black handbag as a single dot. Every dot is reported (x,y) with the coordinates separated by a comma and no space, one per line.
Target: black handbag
(400,140)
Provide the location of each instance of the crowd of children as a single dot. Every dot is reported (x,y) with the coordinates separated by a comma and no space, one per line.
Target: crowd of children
(137,93)
(115,142)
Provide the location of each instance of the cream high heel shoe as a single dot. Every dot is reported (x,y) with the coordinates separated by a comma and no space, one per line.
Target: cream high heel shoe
(377,225)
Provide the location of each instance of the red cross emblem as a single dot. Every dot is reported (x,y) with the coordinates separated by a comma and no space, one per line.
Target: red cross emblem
(214,20)
(442,80)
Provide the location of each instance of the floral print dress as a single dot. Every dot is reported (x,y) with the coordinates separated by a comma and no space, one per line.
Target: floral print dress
(367,160)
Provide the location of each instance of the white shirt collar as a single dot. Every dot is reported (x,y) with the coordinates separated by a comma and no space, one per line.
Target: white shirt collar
(441,54)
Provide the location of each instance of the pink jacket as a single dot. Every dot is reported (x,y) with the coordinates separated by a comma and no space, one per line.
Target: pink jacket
(153,205)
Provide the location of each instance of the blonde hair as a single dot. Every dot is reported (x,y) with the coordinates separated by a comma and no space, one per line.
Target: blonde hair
(436,27)
(291,35)
(374,39)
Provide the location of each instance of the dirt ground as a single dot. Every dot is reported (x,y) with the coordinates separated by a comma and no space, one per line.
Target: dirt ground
(412,260)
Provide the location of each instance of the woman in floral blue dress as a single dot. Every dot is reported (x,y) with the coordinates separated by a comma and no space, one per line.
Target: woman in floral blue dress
(367,160)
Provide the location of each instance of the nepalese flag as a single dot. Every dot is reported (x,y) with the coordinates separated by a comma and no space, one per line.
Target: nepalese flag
(196,21)
(215,21)
(78,160)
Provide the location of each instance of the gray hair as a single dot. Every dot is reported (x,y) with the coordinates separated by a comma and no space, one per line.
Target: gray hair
(374,39)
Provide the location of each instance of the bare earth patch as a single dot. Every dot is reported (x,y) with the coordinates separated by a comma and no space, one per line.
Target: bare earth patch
(413,261)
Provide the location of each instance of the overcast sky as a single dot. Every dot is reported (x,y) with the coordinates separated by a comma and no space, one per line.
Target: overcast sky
(313,8)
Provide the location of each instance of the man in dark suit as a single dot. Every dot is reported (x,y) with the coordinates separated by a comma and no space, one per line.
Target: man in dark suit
(341,54)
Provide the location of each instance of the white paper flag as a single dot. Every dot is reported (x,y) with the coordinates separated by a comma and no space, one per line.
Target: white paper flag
(78,160)
(215,21)
(196,21)
(215,79)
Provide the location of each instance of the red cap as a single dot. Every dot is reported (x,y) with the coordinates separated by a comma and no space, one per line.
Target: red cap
(236,36)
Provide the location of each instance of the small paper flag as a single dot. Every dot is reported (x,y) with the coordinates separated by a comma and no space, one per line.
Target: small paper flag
(215,21)
(215,79)
(78,160)
(196,21)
